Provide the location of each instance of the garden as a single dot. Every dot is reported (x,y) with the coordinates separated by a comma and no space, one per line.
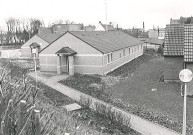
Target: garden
(30,107)
(136,87)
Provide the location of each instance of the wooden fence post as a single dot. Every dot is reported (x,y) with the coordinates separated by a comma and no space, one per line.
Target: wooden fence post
(22,112)
(36,116)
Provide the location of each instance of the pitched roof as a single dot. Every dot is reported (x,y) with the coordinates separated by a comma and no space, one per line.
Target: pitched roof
(67,27)
(188,43)
(154,41)
(106,41)
(174,40)
(66,51)
(89,28)
(108,27)
(45,30)
(49,37)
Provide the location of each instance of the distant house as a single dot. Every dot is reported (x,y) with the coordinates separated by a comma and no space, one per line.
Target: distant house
(153,43)
(136,32)
(182,20)
(89,52)
(89,28)
(60,28)
(39,39)
(104,27)
(157,33)
(178,51)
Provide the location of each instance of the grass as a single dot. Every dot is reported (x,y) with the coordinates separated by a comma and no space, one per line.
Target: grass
(139,91)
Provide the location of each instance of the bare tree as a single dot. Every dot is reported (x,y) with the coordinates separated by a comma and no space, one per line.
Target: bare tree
(35,24)
(69,22)
(11,29)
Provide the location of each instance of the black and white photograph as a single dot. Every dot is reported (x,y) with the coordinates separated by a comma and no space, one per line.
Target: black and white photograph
(96,67)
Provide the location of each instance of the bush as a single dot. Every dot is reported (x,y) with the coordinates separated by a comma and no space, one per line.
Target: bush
(160,50)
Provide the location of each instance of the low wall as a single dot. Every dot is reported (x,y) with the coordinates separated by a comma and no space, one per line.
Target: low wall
(16,53)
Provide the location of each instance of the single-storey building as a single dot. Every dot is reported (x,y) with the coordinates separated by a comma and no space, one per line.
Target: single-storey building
(38,40)
(153,43)
(89,52)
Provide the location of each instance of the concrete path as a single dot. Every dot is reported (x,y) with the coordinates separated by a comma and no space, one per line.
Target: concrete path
(139,124)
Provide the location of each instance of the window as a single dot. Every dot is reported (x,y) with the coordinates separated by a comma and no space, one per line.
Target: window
(132,51)
(120,55)
(129,51)
(141,47)
(123,53)
(109,58)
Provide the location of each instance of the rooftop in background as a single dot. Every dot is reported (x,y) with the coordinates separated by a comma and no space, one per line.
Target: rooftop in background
(49,37)
(154,41)
(45,30)
(60,28)
(182,20)
(136,32)
(67,27)
(105,27)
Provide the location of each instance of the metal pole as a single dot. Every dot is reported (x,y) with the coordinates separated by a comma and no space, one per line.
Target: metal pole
(184,111)
(35,78)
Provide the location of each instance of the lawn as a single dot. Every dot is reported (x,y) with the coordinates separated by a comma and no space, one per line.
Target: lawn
(137,85)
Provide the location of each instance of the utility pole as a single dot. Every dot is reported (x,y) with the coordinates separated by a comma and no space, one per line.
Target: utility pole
(106,13)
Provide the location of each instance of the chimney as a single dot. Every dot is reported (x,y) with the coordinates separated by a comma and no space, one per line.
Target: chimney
(143,26)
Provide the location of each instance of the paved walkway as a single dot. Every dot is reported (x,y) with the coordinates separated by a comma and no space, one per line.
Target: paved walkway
(139,124)
(53,83)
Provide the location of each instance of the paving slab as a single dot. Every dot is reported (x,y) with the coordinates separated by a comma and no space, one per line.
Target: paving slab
(72,107)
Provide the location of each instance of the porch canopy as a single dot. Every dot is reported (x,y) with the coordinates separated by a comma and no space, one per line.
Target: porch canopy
(69,53)
(66,51)
(34,45)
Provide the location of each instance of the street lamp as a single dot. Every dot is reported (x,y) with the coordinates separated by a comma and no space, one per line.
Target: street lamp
(185,76)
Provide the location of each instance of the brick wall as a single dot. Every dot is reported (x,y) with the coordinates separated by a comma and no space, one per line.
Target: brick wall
(172,67)
(119,61)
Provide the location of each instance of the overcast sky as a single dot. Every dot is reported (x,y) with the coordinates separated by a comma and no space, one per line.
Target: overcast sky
(127,13)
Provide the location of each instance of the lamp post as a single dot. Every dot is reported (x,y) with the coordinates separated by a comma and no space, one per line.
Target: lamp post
(185,76)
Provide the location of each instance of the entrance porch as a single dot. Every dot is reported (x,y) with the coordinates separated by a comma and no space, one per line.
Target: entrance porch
(65,60)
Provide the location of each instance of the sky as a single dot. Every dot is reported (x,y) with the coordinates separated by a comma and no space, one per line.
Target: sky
(125,13)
